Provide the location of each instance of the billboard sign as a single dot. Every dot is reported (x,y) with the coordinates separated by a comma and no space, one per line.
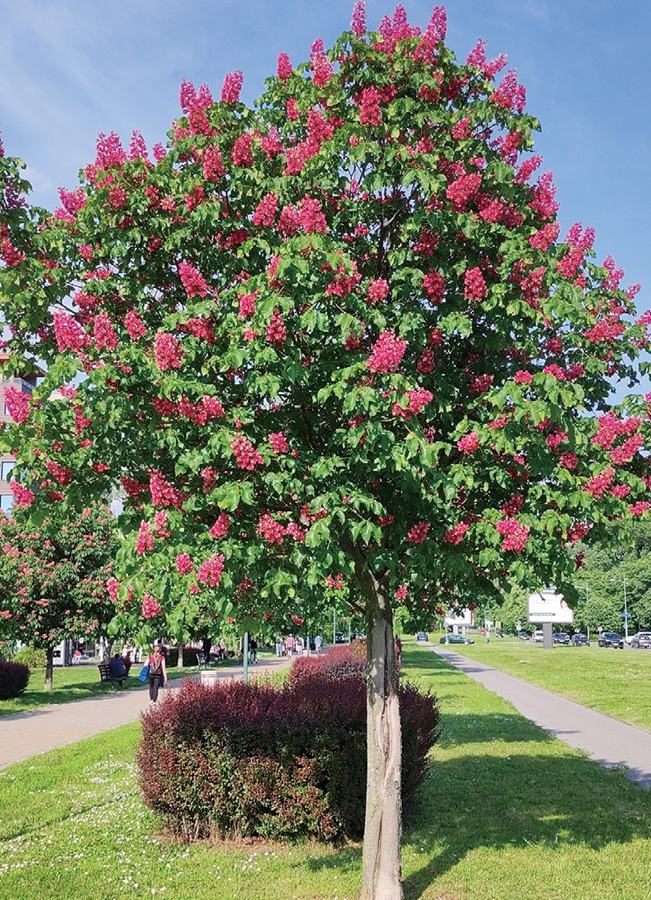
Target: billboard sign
(548,606)
(463,617)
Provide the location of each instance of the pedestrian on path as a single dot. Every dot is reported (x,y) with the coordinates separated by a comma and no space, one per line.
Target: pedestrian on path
(157,672)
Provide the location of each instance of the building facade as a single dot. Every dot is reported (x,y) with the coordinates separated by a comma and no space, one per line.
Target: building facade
(25,385)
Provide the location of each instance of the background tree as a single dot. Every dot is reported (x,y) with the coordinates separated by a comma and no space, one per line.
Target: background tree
(53,579)
(335,332)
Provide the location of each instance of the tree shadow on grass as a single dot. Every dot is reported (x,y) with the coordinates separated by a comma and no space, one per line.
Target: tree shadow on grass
(493,802)
(496,802)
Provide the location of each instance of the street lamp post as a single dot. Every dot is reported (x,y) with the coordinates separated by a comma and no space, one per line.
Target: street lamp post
(625,611)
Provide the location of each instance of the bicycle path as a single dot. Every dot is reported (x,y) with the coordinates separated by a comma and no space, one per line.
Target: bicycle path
(30,733)
(609,742)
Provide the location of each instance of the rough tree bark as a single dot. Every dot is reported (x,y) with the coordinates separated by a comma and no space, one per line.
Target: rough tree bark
(49,668)
(382,869)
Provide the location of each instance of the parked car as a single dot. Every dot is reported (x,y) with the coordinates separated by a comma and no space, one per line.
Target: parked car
(524,635)
(422,636)
(560,637)
(611,639)
(580,640)
(538,636)
(455,639)
(641,640)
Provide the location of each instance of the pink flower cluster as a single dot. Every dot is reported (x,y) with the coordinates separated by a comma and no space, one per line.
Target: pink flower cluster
(387,352)
(17,404)
(477,58)
(112,588)
(474,286)
(625,453)
(599,484)
(242,152)
(469,443)
(462,189)
(321,65)
(276,332)
(23,497)
(68,332)
(523,377)
(246,456)
(145,539)
(510,94)
(247,305)
(514,534)
(278,442)
(457,533)
(265,211)
(136,328)
(210,572)
(370,112)
(337,583)
(161,524)
(11,255)
(167,352)
(284,67)
(377,290)
(418,532)
(543,239)
(271,530)
(163,493)
(232,87)
(184,564)
(434,285)
(221,526)
(312,218)
(639,508)
(104,336)
(213,164)
(418,398)
(150,607)
(612,427)
(192,280)
(61,474)
(109,151)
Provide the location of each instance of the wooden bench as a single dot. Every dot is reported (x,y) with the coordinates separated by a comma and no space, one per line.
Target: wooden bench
(107,678)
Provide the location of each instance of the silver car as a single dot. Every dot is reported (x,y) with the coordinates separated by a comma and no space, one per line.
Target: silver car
(641,640)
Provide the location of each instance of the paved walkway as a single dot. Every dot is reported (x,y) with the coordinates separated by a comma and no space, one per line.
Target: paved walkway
(29,733)
(609,742)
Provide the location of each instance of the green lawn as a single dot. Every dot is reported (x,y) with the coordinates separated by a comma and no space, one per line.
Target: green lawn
(616,682)
(507,813)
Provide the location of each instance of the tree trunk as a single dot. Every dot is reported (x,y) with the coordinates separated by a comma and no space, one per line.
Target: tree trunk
(49,668)
(180,660)
(382,876)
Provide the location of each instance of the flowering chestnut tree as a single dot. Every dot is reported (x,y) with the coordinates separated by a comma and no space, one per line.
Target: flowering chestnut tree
(333,337)
(53,579)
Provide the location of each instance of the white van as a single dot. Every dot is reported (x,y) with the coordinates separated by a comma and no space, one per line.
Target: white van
(538,637)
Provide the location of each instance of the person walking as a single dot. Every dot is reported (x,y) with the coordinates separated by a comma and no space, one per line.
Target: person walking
(318,643)
(157,672)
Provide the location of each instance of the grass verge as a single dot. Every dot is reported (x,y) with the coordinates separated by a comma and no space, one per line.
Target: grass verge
(506,813)
(616,682)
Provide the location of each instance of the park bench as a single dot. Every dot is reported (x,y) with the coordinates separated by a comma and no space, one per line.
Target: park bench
(106,677)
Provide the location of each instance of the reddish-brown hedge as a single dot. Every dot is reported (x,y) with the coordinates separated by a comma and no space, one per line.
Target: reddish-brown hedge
(258,760)
(14,677)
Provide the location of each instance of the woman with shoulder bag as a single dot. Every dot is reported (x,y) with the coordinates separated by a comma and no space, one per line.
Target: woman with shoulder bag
(157,672)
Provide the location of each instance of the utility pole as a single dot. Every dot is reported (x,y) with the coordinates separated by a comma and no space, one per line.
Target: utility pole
(625,611)
(334,627)
(245,657)
(587,599)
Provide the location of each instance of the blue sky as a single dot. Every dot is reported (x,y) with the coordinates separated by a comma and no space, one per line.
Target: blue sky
(71,68)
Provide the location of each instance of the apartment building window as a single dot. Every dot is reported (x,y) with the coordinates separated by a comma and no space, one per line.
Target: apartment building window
(6,502)
(5,469)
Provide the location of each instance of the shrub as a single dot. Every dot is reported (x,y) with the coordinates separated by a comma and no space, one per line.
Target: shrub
(13,679)
(283,762)
(341,661)
(33,658)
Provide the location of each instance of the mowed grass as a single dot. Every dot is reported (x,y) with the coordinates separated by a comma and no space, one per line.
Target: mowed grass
(73,683)
(616,682)
(506,813)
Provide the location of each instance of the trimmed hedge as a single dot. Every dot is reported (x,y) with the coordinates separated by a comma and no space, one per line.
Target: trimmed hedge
(14,677)
(283,762)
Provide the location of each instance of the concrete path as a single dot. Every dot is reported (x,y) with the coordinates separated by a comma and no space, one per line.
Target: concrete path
(609,742)
(29,733)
